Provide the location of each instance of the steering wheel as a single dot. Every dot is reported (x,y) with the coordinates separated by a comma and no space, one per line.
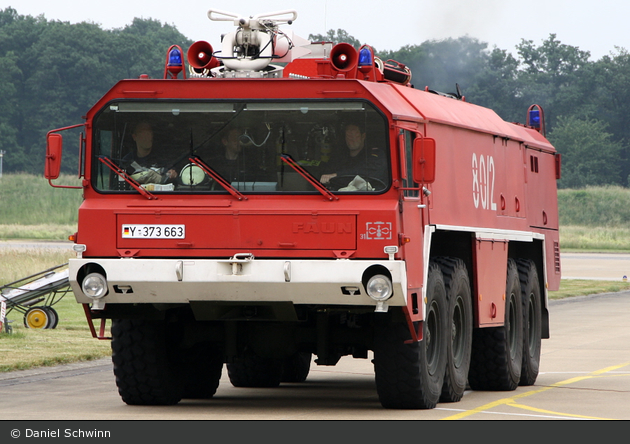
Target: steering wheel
(344,180)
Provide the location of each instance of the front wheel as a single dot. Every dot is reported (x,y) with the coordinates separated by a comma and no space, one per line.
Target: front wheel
(410,375)
(145,363)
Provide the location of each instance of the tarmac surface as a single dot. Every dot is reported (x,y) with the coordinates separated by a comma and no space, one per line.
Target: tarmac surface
(584,375)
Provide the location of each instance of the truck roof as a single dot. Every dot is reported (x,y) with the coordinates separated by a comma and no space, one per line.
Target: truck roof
(418,105)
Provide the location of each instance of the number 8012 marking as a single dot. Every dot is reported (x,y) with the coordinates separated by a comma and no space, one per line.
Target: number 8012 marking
(484,174)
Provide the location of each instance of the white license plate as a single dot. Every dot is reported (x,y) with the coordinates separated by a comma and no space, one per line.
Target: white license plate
(137,231)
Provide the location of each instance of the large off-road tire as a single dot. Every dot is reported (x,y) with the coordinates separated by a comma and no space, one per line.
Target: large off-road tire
(296,367)
(497,352)
(459,330)
(202,365)
(145,363)
(251,370)
(410,375)
(532,321)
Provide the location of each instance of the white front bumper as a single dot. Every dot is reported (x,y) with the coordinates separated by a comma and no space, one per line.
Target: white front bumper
(320,282)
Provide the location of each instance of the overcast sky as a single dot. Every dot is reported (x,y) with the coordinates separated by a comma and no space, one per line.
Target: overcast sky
(597,27)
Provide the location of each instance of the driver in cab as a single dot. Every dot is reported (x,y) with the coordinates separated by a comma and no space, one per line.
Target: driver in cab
(358,160)
(143,164)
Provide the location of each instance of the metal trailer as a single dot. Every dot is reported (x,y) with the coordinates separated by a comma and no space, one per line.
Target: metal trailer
(25,295)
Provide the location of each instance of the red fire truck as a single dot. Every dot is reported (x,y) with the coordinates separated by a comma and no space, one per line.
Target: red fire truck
(283,200)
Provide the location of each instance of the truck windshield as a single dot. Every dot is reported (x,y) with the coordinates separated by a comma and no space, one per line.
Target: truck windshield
(342,144)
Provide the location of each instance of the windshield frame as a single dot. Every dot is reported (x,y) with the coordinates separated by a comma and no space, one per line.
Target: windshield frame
(181,107)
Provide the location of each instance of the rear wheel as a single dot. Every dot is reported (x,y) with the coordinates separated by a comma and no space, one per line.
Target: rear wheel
(459,329)
(497,352)
(145,363)
(532,322)
(251,370)
(410,375)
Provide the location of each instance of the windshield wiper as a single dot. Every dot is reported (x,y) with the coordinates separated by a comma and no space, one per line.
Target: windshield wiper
(309,177)
(121,173)
(218,178)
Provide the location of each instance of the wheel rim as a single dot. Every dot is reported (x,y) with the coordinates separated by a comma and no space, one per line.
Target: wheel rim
(36,318)
(457,327)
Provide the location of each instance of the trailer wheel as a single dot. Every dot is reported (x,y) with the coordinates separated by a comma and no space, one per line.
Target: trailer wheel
(251,370)
(497,352)
(410,375)
(146,372)
(37,318)
(54,317)
(459,332)
(532,321)
(203,366)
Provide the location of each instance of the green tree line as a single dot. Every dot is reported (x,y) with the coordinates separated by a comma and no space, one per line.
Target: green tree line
(586,103)
(54,71)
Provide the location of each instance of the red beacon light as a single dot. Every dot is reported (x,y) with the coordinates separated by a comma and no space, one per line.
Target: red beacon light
(174,62)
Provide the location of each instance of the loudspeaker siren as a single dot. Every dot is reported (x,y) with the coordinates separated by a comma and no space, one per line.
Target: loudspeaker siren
(344,58)
(200,55)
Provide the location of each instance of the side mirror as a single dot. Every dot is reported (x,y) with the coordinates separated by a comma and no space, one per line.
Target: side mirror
(423,160)
(53,156)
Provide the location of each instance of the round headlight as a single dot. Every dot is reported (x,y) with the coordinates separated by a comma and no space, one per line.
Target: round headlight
(379,288)
(94,286)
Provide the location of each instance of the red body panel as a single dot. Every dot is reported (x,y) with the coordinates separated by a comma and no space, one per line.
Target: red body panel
(490,304)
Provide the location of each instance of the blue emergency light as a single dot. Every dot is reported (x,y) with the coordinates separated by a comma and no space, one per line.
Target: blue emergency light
(534,118)
(365,57)
(174,57)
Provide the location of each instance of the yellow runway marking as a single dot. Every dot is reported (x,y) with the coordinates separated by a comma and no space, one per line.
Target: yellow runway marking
(511,400)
